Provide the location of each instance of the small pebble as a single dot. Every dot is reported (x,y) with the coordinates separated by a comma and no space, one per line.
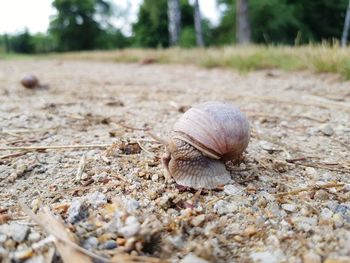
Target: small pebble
(192,258)
(77,211)
(131,205)
(96,199)
(36,259)
(17,232)
(155,177)
(289,207)
(338,220)
(326,214)
(321,195)
(23,254)
(110,244)
(231,189)
(311,257)
(34,237)
(327,130)
(3,238)
(223,207)
(337,260)
(198,220)
(90,243)
(264,257)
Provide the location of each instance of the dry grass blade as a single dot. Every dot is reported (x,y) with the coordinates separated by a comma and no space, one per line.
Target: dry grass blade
(55,147)
(66,241)
(81,168)
(6,156)
(310,102)
(311,188)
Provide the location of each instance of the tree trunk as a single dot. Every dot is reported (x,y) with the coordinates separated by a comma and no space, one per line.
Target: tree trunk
(198,24)
(344,38)
(174,16)
(242,22)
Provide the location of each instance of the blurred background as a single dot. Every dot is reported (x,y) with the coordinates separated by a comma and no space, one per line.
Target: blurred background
(43,26)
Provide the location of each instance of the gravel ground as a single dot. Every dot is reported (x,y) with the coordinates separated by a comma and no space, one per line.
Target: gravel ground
(289,200)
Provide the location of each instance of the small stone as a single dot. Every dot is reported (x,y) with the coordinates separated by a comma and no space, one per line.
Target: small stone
(264,257)
(305,223)
(176,241)
(338,220)
(327,129)
(311,257)
(34,237)
(310,172)
(152,195)
(231,189)
(36,259)
(110,244)
(16,231)
(250,231)
(192,258)
(223,207)
(155,177)
(3,253)
(131,228)
(116,222)
(96,199)
(198,220)
(289,207)
(90,243)
(337,260)
(3,238)
(280,166)
(344,211)
(131,205)
(77,211)
(326,214)
(321,195)
(23,254)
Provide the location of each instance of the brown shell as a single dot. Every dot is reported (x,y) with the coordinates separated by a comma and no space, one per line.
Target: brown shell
(220,130)
(30,81)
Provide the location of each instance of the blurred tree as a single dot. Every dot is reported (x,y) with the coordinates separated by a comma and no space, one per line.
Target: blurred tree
(344,38)
(198,24)
(284,21)
(21,43)
(174,21)
(151,28)
(319,20)
(242,22)
(79,24)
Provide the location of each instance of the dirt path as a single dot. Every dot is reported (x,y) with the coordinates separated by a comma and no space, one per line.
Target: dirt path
(300,140)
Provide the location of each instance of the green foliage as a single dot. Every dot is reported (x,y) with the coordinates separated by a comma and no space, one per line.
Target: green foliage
(76,27)
(285,21)
(22,43)
(151,28)
(188,37)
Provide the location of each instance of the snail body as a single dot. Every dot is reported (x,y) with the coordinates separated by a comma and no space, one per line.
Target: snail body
(204,138)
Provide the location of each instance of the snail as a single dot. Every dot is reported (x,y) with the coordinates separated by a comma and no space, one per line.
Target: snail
(32,82)
(204,138)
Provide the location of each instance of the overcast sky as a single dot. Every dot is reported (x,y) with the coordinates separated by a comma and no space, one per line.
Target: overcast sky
(35,14)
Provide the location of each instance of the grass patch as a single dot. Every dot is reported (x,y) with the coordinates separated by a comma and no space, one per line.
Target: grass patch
(316,58)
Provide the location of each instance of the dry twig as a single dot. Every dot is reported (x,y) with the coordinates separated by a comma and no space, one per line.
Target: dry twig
(311,188)
(55,147)
(69,250)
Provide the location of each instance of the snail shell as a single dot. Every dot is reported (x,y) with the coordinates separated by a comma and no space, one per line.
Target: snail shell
(30,81)
(204,138)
